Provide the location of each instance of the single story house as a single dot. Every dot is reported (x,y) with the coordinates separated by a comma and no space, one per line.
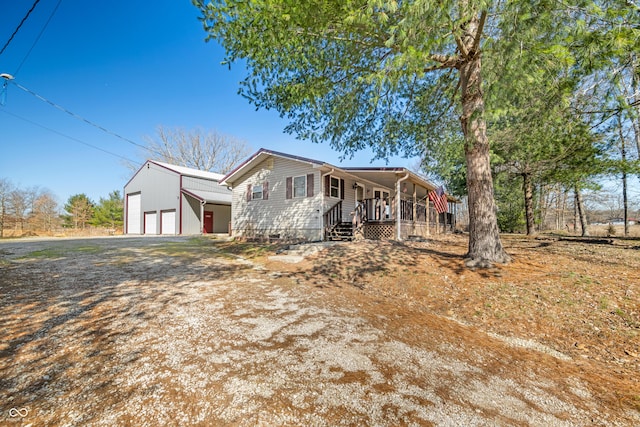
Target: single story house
(278,195)
(167,199)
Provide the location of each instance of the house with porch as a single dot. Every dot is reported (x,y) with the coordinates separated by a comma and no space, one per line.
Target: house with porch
(279,195)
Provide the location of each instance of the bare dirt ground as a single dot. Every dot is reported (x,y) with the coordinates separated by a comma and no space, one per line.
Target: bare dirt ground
(178,331)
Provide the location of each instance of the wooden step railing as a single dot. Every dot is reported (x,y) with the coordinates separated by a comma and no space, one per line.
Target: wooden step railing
(332,218)
(334,215)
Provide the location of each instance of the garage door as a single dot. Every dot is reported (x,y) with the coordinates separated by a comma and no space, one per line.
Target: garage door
(133,213)
(150,222)
(168,222)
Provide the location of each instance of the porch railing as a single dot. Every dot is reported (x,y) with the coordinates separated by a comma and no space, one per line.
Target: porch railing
(407,214)
(376,210)
(333,216)
(384,210)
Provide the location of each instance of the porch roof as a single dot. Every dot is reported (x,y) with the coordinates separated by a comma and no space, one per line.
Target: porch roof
(388,177)
(209,196)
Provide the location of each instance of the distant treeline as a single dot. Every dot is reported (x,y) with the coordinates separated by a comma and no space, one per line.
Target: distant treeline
(32,211)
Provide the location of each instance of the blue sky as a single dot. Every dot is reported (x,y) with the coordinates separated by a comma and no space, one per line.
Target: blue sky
(128,66)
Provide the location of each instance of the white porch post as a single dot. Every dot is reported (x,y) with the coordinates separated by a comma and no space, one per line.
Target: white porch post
(414,214)
(202,217)
(399,207)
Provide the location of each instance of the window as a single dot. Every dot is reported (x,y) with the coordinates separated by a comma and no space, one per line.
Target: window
(335,187)
(256,192)
(300,186)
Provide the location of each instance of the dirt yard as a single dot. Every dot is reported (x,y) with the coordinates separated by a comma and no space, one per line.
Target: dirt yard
(180,331)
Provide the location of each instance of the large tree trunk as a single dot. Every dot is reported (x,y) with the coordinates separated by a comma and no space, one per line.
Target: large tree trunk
(527,188)
(485,246)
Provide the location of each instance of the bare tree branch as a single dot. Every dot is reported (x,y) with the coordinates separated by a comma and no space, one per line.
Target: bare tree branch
(197,149)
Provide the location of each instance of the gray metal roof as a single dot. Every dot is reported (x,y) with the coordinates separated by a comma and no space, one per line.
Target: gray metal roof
(209,196)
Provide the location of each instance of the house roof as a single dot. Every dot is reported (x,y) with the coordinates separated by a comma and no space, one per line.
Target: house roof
(386,176)
(257,157)
(189,171)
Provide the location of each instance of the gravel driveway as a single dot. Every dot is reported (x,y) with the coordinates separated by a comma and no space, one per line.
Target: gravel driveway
(171,331)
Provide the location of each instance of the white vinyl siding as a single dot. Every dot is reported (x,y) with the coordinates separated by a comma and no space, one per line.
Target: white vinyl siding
(299,217)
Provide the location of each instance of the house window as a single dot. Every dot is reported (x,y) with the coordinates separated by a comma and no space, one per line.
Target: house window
(256,192)
(300,186)
(335,187)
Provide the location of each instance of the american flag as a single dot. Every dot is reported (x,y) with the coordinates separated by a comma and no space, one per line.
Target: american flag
(439,199)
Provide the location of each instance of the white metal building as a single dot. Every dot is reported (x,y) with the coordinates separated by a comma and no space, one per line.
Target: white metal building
(167,199)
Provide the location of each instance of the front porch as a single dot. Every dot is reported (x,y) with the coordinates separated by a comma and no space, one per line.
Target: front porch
(377,219)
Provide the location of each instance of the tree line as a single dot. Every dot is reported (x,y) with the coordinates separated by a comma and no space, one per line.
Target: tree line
(34,210)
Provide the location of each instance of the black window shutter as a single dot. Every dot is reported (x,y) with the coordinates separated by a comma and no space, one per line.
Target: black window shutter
(310,185)
(289,187)
(248,192)
(327,185)
(342,189)
(265,190)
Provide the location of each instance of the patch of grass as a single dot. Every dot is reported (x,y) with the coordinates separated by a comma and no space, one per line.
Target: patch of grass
(246,249)
(191,248)
(604,303)
(628,320)
(62,251)
(88,249)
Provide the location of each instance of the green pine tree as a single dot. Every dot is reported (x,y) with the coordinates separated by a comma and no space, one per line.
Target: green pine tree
(109,212)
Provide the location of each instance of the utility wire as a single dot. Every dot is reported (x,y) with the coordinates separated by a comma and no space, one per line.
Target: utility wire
(70,137)
(10,79)
(89,122)
(19,25)
(131,162)
(55,9)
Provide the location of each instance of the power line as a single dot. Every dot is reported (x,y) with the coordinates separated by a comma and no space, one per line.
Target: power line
(18,28)
(78,117)
(9,78)
(132,162)
(69,137)
(53,12)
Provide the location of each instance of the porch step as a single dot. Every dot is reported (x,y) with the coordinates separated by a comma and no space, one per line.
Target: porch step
(342,231)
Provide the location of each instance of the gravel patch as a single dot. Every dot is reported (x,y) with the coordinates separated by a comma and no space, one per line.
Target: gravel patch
(159,331)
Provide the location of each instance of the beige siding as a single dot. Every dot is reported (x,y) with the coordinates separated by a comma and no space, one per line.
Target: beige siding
(299,217)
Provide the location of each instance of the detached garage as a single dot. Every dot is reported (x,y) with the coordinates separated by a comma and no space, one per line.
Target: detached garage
(167,199)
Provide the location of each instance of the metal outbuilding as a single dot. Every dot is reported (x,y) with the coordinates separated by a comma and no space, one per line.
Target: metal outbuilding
(162,198)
